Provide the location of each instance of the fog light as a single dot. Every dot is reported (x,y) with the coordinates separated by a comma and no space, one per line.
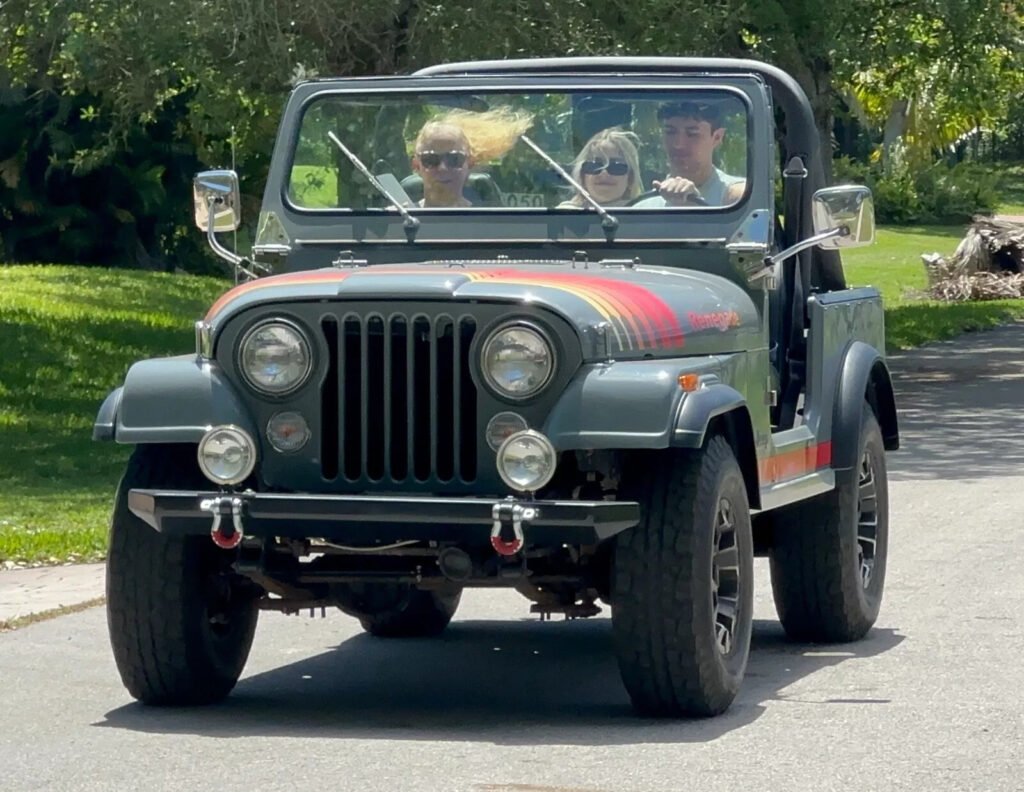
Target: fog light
(288,432)
(526,461)
(501,426)
(226,454)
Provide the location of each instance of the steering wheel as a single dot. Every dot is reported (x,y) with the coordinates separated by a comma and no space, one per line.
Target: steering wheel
(693,198)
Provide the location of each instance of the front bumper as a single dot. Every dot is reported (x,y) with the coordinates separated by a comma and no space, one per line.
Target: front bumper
(371,519)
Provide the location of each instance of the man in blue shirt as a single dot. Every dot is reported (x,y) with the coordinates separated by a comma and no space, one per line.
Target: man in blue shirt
(691,132)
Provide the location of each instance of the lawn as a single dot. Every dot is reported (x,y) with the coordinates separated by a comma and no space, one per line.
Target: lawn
(69,335)
(893,265)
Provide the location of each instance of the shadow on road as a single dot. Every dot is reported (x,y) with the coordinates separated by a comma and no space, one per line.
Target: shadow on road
(506,683)
(942,389)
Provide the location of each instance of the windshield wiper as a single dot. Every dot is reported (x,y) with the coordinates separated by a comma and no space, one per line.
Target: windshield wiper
(411,224)
(608,222)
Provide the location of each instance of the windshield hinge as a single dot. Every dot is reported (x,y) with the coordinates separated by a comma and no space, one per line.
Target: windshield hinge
(347,259)
(581,259)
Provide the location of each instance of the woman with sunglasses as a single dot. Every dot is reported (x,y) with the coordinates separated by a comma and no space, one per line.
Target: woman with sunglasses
(608,167)
(443,160)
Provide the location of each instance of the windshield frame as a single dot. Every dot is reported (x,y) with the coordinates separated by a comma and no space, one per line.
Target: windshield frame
(384,226)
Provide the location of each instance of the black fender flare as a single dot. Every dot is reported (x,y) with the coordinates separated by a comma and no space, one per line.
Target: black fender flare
(699,408)
(863,375)
(726,405)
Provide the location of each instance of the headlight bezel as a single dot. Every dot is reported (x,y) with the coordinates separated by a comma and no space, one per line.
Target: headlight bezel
(305,340)
(546,338)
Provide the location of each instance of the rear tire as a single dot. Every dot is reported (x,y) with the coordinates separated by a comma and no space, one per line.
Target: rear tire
(682,593)
(829,553)
(181,622)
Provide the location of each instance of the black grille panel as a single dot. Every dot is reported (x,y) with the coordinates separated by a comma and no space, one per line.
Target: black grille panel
(398,404)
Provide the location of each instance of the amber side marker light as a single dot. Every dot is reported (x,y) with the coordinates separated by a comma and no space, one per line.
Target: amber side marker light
(689,382)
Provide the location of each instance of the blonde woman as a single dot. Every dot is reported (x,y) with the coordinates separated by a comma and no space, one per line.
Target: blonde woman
(449,145)
(608,167)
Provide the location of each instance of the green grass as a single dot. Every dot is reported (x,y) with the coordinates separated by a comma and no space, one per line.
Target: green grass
(893,265)
(1011,189)
(68,335)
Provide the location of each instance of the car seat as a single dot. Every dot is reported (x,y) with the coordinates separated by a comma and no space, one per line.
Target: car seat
(479,190)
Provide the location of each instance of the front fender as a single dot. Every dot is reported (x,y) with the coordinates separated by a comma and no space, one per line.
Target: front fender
(626,404)
(170,400)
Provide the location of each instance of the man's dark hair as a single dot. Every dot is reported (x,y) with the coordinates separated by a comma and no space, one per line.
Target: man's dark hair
(702,111)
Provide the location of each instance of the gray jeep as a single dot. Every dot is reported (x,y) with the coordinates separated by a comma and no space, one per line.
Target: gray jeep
(552,379)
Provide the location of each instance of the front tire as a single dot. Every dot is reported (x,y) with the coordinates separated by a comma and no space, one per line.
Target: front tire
(682,598)
(181,622)
(829,553)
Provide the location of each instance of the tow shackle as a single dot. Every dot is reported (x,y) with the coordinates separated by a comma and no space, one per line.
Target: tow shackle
(516,514)
(225,538)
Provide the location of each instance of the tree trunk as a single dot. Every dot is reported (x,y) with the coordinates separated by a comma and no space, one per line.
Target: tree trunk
(895,126)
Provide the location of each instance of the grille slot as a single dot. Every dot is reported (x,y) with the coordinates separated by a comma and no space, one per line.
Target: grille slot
(398,404)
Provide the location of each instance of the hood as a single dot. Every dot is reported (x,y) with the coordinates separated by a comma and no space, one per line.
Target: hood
(642,311)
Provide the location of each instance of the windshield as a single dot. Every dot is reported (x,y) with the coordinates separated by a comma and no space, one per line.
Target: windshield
(639,150)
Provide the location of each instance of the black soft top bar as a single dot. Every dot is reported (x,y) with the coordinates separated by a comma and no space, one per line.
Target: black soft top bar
(801,133)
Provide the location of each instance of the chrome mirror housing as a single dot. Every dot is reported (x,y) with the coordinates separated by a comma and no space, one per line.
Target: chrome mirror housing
(846,206)
(216,190)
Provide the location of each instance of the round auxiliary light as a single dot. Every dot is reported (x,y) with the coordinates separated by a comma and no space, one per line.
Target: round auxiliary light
(526,461)
(274,357)
(517,361)
(226,454)
(288,432)
(501,426)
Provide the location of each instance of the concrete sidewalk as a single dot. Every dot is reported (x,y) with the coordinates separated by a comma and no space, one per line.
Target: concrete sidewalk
(26,592)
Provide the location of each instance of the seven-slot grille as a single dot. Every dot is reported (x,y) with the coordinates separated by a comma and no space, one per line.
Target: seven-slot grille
(398,403)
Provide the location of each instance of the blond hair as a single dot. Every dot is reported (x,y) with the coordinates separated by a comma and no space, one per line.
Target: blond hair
(488,134)
(611,138)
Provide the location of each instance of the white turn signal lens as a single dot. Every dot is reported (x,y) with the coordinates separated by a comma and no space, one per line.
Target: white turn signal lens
(502,426)
(227,455)
(526,461)
(288,432)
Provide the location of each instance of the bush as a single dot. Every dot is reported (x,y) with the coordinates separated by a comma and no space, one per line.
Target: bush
(938,193)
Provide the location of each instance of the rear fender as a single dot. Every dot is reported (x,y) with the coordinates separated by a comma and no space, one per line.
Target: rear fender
(170,400)
(864,375)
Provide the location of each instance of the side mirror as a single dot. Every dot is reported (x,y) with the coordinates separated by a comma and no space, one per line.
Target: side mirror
(848,206)
(217,189)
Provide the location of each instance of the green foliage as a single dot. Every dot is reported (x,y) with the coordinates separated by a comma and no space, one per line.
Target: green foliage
(76,332)
(938,193)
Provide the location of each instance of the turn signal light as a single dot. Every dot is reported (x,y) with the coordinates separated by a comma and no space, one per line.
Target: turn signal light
(689,382)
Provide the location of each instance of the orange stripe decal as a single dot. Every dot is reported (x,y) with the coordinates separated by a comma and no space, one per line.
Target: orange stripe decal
(792,464)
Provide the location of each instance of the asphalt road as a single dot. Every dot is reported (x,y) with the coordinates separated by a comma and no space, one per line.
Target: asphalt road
(931,700)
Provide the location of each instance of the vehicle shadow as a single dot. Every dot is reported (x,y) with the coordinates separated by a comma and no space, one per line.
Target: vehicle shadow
(505,683)
(942,389)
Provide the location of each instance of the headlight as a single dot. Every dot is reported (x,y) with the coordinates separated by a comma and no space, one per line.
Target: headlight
(526,461)
(517,361)
(227,454)
(274,357)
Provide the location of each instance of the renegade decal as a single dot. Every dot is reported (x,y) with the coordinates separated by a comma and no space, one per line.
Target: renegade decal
(720,320)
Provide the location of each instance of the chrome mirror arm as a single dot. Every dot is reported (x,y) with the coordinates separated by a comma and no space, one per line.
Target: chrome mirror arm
(811,241)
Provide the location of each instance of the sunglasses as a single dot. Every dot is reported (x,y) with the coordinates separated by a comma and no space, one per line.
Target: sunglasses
(433,159)
(615,167)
